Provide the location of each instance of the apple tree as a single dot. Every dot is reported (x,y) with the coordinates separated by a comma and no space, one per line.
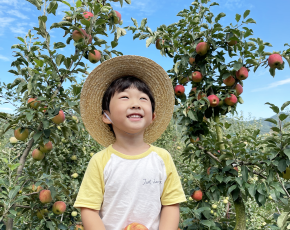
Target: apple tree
(44,162)
(216,59)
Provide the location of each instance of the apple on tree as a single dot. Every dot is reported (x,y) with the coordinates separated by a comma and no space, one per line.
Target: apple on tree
(74,213)
(88,15)
(202,48)
(191,60)
(231,100)
(33,104)
(196,76)
(200,95)
(46,148)
(21,136)
(37,155)
(117,19)
(197,195)
(275,61)
(74,175)
(239,89)
(59,118)
(229,81)
(13,140)
(213,100)
(58,207)
(45,196)
(179,90)
(94,58)
(242,73)
(157,44)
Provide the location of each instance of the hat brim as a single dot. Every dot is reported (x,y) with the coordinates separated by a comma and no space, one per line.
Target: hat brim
(128,65)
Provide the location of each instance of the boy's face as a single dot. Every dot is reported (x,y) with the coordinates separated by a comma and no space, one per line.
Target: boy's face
(125,103)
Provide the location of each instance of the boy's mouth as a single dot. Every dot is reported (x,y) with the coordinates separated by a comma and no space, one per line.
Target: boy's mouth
(135,117)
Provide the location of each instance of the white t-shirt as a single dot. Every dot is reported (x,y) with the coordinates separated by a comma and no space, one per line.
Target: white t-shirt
(129,189)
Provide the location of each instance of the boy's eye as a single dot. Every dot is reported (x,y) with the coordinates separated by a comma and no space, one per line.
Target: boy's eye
(127,97)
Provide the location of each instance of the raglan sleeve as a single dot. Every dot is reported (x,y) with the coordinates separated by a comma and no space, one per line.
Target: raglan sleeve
(91,192)
(172,192)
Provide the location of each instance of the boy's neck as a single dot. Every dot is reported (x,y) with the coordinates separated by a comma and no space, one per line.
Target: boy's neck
(131,148)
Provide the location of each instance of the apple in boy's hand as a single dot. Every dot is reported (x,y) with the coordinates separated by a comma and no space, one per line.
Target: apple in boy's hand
(136,226)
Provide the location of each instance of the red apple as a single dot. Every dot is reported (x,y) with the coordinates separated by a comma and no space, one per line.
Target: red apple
(239,89)
(79,227)
(213,100)
(191,60)
(231,100)
(197,195)
(196,76)
(21,136)
(157,44)
(34,104)
(59,118)
(58,207)
(94,58)
(88,15)
(46,148)
(242,73)
(76,35)
(236,168)
(136,226)
(179,90)
(275,60)
(45,196)
(202,48)
(37,155)
(193,141)
(229,81)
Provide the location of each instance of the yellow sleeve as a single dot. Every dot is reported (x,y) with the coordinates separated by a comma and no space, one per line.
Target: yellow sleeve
(91,192)
(172,192)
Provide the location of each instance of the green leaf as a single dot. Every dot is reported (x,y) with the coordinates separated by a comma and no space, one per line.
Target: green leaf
(244,173)
(53,191)
(143,23)
(52,7)
(59,59)
(59,45)
(237,66)
(14,191)
(283,116)
(282,219)
(61,226)
(35,3)
(219,16)
(207,223)
(37,135)
(128,1)
(287,152)
(284,105)
(250,20)
(150,41)
(246,13)
(79,3)
(238,17)
(85,22)
(282,165)
(101,21)
(135,22)
(273,107)
(240,100)
(275,129)
(13,212)
(272,120)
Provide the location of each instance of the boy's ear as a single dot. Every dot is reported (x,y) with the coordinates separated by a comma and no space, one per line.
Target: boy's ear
(105,119)
(153,117)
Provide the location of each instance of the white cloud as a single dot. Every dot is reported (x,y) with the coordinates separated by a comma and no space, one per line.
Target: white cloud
(3,58)
(273,85)
(17,14)
(144,7)
(5,108)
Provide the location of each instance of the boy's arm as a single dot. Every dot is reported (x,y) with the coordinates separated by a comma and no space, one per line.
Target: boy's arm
(169,219)
(91,219)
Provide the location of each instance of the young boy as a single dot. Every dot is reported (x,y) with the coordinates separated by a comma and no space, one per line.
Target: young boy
(126,104)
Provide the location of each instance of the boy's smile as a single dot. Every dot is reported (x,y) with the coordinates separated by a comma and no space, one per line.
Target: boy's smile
(130,112)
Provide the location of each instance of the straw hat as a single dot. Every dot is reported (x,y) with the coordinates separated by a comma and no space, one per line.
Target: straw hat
(128,65)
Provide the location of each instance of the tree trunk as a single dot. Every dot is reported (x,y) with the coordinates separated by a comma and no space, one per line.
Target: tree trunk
(9,224)
(240,214)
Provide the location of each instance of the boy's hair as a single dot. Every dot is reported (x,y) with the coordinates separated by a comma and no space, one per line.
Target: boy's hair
(120,85)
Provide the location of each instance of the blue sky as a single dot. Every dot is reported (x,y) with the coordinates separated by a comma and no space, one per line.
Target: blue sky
(18,16)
